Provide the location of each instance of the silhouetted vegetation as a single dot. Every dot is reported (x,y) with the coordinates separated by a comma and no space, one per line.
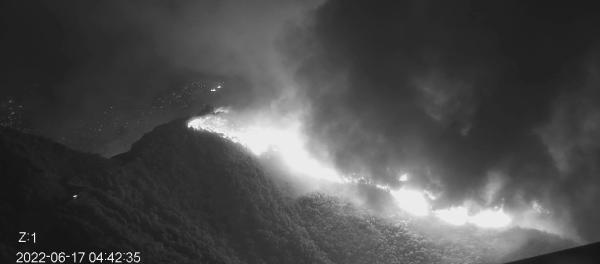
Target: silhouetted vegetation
(180,196)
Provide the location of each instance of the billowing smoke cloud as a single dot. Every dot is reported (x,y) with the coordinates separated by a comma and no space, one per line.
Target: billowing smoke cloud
(495,102)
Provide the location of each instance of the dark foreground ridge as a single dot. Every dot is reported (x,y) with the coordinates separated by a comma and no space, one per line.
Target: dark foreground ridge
(588,254)
(183,196)
(178,196)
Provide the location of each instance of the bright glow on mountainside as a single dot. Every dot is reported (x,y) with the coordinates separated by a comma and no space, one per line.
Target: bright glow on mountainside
(488,218)
(265,136)
(285,139)
(411,201)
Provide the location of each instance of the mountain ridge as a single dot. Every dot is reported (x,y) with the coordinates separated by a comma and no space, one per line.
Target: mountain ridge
(186,196)
(149,200)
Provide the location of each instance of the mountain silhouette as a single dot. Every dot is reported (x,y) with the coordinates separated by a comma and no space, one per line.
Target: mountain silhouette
(179,196)
(185,196)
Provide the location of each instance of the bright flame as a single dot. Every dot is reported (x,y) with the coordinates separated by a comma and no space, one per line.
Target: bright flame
(491,218)
(265,136)
(411,201)
(487,218)
(453,215)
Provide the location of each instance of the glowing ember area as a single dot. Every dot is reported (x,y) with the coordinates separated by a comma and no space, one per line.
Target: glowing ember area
(488,218)
(403,177)
(411,201)
(285,139)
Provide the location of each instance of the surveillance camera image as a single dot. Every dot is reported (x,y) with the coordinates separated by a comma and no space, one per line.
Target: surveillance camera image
(299,131)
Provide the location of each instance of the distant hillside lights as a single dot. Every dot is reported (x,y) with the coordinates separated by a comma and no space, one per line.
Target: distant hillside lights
(264,134)
(216,88)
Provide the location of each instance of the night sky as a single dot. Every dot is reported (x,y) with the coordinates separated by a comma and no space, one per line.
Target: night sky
(466,96)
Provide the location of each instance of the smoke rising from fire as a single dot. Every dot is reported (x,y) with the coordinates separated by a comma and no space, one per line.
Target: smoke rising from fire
(472,99)
(491,104)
